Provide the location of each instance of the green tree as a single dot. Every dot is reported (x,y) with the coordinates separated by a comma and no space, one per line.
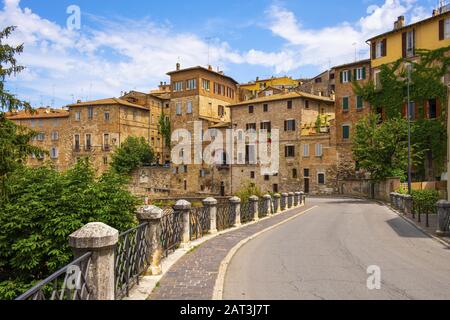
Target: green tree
(133,153)
(381,147)
(164,128)
(44,208)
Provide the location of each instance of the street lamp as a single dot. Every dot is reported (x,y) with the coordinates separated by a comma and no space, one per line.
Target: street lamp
(408,114)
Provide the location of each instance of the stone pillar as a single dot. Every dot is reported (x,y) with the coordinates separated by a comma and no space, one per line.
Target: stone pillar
(443,210)
(152,215)
(303,197)
(284,204)
(408,204)
(276,203)
(297,200)
(183,207)
(396,197)
(267,204)
(235,206)
(392,196)
(101,240)
(402,202)
(211,205)
(254,207)
(290,200)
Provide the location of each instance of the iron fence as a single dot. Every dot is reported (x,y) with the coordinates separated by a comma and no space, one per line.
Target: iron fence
(226,217)
(68,283)
(262,208)
(274,205)
(246,213)
(199,222)
(171,230)
(131,258)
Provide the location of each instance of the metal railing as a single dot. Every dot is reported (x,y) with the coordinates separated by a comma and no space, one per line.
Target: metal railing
(171,230)
(68,283)
(226,218)
(246,214)
(262,211)
(199,222)
(131,259)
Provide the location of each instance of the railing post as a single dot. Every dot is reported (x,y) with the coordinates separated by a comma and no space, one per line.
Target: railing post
(303,197)
(290,199)
(408,204)
(101,240)
(396,197)
(276,203)
(211,205)
(235,205)
(152,215)
(297,200)
(254,206)
(267,200)
(402,203)
(284,197)
(443,210)
(392,196)
(183,207)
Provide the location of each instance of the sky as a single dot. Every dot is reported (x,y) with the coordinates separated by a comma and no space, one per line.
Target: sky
(123,45)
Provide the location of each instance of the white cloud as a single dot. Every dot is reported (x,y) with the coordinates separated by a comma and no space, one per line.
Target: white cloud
(125,54)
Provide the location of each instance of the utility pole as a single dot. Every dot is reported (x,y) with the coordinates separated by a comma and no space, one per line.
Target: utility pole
(408,112)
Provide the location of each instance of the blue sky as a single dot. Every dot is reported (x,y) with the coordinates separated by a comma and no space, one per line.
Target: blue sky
(125,45)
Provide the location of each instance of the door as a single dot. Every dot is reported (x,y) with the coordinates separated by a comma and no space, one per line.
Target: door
(306,185)
(222,189)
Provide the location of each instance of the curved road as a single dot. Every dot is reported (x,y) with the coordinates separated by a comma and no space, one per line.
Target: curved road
(325,254)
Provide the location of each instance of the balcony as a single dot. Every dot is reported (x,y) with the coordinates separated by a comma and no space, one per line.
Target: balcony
(106,147)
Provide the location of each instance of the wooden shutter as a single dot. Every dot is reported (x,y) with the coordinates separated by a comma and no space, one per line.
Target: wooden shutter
(404,41)
(364,73)
(384,48)
(441,29)
(414,41)
(341,76)
(294,127)
(354,74)
(349,73)
(374,50)
(285,125)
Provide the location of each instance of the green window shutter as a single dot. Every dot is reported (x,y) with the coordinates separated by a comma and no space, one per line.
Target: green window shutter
(342,76)
(346,132)
(359,102)
(354,74)
(349,72)
(345,103)
(364,73)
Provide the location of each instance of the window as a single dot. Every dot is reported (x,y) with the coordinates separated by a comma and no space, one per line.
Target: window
(377,79)
(188,107)
(221,111)
(318,80)
(432,109)
(319,150)
(78,115)
(54,153)
(265,107)
(360,73)
(106,116)
(202,173)
(294,173)
(289,104)
(306,104)
(346,132)
(345,104)
(105,160)
(359,103)
(306,150)
(40,136)
(412,111)
(191,84)
(345,76)
(250,154)
(206,84)
(446,29)
(380,49)
(321,178)
(289,125)
(88,142)
(252,174)
(90,113)
(185,169)
(250,126)
(275,188)
(251,109)
(77,142)
(178,108)
(106,141)
(55,135)
(289,151)
(178,86)
(306,173)
(266,125)
(266,177)
(410,43)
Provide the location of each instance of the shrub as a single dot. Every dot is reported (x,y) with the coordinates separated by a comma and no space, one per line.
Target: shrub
(133,153)
(425,200)
(249,189)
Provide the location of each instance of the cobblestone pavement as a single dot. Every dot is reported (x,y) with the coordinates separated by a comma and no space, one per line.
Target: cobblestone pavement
(193,277)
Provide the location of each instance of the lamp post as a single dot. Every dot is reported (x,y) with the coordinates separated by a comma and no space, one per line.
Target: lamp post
(408,113)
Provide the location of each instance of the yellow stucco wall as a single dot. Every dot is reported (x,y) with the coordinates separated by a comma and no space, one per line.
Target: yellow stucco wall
(282,81)
(427,37)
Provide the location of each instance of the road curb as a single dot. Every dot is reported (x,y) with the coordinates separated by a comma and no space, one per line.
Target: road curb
(220,280)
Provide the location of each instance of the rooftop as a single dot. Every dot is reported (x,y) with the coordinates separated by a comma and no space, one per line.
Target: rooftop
(365,61)
(209,70)
(284,96)
(109,101)
(39,113)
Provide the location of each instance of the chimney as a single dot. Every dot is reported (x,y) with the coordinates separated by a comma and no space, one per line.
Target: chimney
(178,66)
(78,101)
(210,68)
(257,79)
(400,23)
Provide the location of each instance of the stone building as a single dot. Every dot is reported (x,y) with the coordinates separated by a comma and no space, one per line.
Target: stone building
(200,96)
(254,87)
(288,113)
(51,126)
(350,109)
(321,85)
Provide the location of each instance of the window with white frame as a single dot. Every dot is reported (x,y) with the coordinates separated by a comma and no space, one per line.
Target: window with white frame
(189,107)
(191,84)
(379,49)
(306,150)
(360,73)
(78,115)
(178,108)
(55,135)
(319,151)
(447,28)
(346,76)
(206,84)
(178,86)
(410,43)
(40,136)
(54,153)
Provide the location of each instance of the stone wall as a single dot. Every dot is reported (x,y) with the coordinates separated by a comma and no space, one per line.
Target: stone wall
(369,189)
(150,182)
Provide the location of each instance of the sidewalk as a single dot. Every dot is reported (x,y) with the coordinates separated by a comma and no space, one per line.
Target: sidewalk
(194,276)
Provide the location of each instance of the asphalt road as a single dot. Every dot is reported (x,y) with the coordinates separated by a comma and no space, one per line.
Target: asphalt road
(325,254)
